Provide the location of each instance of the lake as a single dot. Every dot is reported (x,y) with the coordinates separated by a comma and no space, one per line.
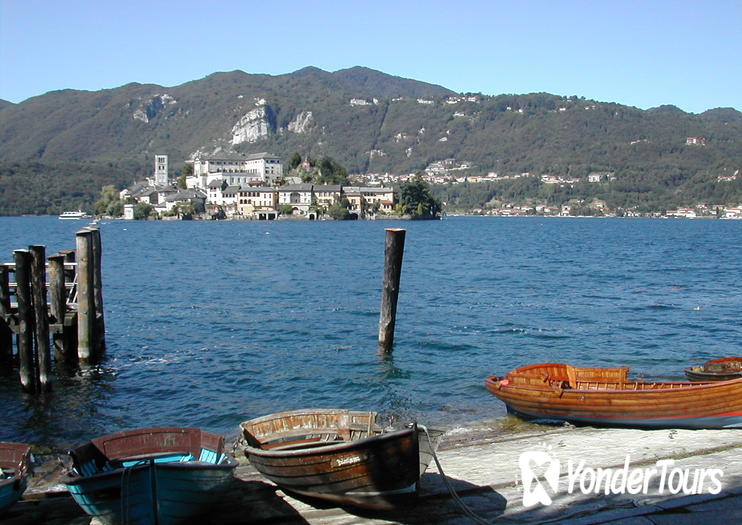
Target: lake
(212,323)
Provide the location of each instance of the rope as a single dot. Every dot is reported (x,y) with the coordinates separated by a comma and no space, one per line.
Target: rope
(451,490)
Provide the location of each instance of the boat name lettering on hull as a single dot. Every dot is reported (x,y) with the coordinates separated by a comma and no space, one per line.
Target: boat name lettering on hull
(347,460)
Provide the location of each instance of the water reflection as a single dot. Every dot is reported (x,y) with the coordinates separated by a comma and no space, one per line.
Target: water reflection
(76,409)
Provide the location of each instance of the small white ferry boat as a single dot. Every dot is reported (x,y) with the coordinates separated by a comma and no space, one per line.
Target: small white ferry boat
(73,215)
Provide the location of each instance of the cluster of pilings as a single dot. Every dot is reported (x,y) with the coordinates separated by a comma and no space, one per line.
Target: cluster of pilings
(57,298)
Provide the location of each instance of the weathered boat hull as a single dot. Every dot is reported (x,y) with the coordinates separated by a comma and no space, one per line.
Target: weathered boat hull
(15,463)
(377,471)
(159,493)
(619,403)
(703,422)
(723,369)
(163,476)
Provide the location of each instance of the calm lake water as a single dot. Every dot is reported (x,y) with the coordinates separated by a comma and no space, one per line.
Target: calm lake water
(212,323)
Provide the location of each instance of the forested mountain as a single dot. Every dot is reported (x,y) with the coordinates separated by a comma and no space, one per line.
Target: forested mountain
(368,121)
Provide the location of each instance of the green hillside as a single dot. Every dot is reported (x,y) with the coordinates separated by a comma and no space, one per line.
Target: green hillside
(371,123)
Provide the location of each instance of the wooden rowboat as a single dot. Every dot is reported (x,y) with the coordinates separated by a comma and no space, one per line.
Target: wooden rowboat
(340,455)
(722,369)
(605,396)
(150,475)
(15,464)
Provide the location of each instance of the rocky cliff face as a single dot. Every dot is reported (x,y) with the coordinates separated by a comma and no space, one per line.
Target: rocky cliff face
(150,108)
(367,121)
(254,125)
(302,123)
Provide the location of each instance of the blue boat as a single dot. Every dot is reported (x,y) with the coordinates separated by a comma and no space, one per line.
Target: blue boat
(15,462)
(156,476)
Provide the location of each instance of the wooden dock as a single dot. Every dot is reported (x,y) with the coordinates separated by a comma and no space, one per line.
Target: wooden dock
(52,302)
(483,469)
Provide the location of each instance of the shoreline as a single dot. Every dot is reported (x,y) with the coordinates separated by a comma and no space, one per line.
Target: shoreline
(403,218)
(483,467)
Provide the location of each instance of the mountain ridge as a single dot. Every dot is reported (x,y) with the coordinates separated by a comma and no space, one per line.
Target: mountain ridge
(371,122)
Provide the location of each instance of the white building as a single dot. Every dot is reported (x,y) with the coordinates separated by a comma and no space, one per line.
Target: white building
(298,196)
(264,168)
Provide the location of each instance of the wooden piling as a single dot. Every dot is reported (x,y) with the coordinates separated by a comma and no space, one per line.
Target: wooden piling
(69,258)
(25,319)
(6,334)
(85,296)
(57,304)
(41,315)
(100,324)
(393,252)
(69,338)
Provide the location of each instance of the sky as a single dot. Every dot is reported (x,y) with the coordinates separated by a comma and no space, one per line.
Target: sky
(638,53)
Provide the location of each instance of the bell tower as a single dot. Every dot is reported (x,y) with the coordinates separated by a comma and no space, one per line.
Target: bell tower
(161,175)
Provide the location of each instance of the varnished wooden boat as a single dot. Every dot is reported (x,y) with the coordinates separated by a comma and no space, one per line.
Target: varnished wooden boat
(151,475)
(15,465)
(340,455)
(722,369)
(605,396)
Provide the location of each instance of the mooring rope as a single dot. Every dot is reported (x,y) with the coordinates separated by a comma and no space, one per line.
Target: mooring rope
(451,490)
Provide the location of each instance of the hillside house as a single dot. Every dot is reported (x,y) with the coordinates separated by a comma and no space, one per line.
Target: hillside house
(298,196)
(363,200)
(327,194)
(195,197)
(229,196)
(383,196)
(215,191)
(258,203)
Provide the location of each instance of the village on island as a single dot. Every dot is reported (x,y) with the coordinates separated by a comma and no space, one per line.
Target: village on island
(252,187)
(257,187)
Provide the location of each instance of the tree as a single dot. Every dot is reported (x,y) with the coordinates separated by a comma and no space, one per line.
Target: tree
(181,181)
(294,161)
(115,209)
(285,209)
(185,210)
(415,198)
(108,196)
(339,210)
(330,172)
(142,210)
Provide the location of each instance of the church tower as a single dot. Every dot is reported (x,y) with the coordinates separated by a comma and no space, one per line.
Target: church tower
(161,176)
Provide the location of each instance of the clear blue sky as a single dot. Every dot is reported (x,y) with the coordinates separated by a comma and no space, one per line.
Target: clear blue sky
(640,53)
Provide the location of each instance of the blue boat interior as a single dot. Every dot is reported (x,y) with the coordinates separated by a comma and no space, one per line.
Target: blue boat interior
(206,456)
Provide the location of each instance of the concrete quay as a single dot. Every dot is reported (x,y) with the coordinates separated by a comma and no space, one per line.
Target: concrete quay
(483,467)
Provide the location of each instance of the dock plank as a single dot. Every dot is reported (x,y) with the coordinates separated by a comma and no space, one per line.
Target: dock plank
(484,471)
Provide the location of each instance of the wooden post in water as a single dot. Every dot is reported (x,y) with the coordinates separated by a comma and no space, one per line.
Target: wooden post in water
(69,258)
(41,314)
(25,319)
(57,304)
(6,334)
(70,332)
(100,325)
(393,252)
(85,296)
